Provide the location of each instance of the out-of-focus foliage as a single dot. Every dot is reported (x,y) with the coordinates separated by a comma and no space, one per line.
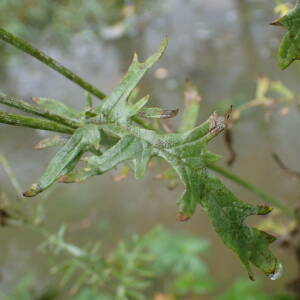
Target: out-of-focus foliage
(62,19)
(26,289)
(269,95)
(130,271)
(158,265)
(243,289)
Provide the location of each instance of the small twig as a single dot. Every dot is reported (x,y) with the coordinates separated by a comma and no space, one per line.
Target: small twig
(228,138)
(290,173)
(49,61)
(37,123)
(11,175)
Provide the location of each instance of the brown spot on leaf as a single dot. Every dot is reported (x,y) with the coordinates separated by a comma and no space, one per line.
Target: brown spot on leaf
(65,179)
(169,113)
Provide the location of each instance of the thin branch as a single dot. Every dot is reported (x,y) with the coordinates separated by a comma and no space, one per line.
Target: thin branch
(33,109)
(13,179)
(290,173)
(228,139)
(55,65)
(248,186)
(37,123)
(50,62)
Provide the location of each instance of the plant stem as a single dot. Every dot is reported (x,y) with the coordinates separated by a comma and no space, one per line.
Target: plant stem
(248,186)
(55,65)
(11,175)
(37,123)
(50,62)
(33,109)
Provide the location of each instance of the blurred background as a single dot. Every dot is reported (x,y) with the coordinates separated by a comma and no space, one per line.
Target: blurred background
(222,46)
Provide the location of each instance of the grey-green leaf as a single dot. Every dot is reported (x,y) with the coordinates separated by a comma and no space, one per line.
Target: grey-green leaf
(58,108)
(84,139)
(52,141)
(185,151)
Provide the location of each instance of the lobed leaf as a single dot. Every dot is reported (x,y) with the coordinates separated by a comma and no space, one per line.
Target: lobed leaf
(187,154)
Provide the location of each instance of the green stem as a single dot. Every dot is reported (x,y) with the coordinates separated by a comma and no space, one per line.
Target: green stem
(24,121)
(33,109)
(248,186)
(52,63)
(11,175)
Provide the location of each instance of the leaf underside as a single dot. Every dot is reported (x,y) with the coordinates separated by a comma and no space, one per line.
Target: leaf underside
(185,151)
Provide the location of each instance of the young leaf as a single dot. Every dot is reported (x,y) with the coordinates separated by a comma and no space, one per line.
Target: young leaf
(289,49)
(84,139)
(58,108)
(52,141)
(192,101)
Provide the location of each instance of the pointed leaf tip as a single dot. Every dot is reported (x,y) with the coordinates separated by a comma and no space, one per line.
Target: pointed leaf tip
(157,55)
(263,210)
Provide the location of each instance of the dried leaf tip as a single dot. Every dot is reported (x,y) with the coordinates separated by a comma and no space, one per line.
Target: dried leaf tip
(33,190)
(181,217)
(35,99)
(276,23)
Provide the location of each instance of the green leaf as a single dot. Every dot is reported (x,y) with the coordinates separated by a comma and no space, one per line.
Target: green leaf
(187,154)
(84,139)
(116,108)
(228,216)
(52,141)
(58,108)
(289,49)
(128,148)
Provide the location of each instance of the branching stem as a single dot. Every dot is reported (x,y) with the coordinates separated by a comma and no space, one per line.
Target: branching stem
(37,123)
(33,109)
(49,61)
(63,125)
